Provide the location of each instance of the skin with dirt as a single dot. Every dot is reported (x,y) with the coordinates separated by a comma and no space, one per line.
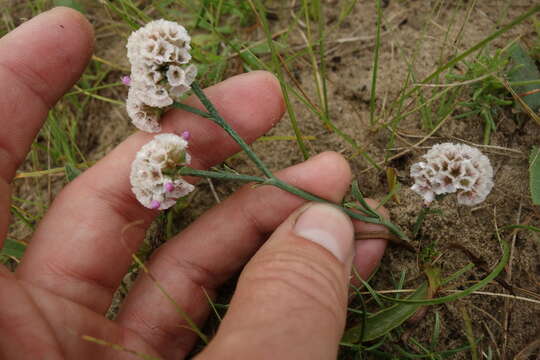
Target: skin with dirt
(451,240)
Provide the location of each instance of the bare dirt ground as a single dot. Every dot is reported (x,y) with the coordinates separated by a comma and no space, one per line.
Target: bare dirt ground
(461,234)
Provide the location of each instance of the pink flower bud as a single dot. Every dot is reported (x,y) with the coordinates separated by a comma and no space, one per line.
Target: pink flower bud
(186,135)
(126,80)
(169,187)
(154,205)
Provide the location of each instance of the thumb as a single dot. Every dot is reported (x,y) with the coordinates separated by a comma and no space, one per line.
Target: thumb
(291,298)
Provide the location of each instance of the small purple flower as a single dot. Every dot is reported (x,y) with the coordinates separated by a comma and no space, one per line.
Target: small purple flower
(154,205)
(126,80)
(169,187)
(186,135)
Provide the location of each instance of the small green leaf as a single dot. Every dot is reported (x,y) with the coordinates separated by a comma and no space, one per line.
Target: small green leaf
(74,4)
(386,320)
(13,248)
(534,175)
(358,196)
(71,172)
(523,69)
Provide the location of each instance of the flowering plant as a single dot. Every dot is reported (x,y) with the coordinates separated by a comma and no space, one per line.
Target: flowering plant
(152,172)
(159,54)
(450,168)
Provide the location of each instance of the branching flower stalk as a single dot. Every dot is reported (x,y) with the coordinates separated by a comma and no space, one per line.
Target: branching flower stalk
(159,54)
(368,214)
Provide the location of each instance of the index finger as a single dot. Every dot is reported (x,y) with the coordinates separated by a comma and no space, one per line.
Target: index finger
(39,61)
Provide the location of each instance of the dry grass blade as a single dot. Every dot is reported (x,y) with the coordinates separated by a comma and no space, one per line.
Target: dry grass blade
(119,348)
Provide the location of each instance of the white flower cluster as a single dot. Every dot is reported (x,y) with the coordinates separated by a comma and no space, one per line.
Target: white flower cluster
(453,168)
(157,53)
(151,184)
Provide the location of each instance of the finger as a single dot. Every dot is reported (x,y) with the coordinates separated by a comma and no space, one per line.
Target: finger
(79,249)
(368,255)
(291,298)
(19,316)
(369,252)
(35,324)
(215,247)
(39,61)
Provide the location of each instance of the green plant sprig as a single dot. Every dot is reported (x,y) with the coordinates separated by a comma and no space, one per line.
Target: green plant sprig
(358,211)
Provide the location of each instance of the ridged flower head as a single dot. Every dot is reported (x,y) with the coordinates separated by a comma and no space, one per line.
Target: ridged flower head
(157,53)
(450,168)
(152,172)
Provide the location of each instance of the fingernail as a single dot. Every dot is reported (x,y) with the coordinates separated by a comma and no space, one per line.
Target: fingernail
(329,227)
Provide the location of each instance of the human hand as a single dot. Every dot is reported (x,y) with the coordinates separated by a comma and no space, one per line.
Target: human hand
(291,298)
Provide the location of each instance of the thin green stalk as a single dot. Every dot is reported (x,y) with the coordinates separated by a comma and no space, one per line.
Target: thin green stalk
(223,124)
(273,181)
(187,171)
(269,178)
(527,82)
(192,110)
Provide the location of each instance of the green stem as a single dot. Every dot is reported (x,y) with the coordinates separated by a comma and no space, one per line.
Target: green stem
(215,117)
(187,171)
(192,110)
(269,178)
(273,181)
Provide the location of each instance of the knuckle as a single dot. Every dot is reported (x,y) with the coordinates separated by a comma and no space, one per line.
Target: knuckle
(197,274)
(309,283)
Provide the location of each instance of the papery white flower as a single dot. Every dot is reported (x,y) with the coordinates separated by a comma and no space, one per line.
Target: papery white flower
(143,116)
(151,95)
(176,75)
(156,38)
(157,53)
(451,168)
(150,181)
(181,82)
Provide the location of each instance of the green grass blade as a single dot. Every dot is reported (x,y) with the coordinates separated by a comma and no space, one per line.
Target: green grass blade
(534,175)
(475,47)
(260,12)
(524,227)
(436,331)
(76,5)
(346,9)
(385,320)
(71,172)
(444,299)
(468,327)
(13,248)
(25,218)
